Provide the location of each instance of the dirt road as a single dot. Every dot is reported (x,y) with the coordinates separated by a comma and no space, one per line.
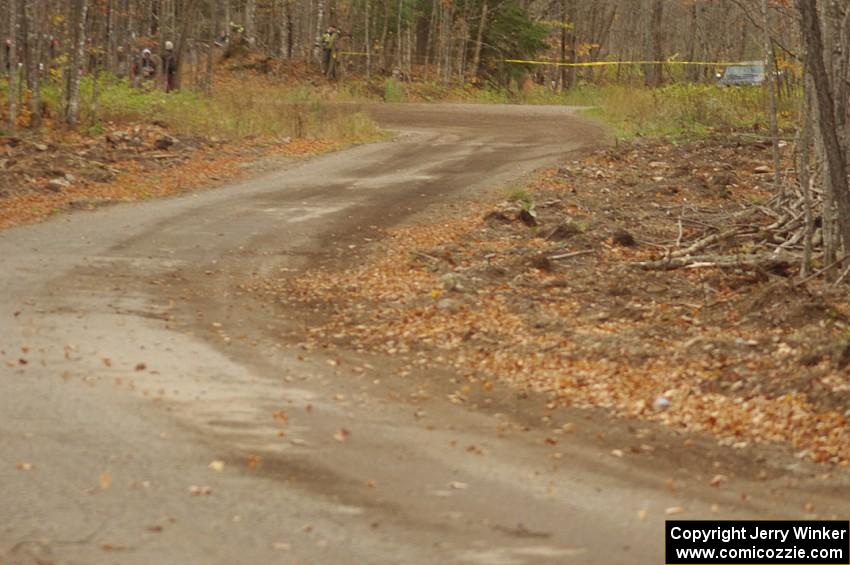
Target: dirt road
(149,412)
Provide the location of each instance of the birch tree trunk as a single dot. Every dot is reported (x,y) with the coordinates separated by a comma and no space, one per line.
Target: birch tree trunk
(35,14)
(320,16)
(77,48)
(251,21)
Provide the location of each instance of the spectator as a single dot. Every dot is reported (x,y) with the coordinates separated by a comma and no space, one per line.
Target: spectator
(169,67)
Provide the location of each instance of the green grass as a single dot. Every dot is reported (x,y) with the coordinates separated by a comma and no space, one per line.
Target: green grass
(237,109)
(254,107)
(682,110)
(521,195)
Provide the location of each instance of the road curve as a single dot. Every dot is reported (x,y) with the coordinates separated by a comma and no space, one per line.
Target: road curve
(131,361)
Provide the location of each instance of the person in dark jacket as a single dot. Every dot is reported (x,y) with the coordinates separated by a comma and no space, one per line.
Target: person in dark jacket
(169,67)
(144,69)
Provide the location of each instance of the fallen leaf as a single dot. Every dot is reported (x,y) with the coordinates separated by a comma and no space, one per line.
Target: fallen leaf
(342,435)
(105,481)
(23,466)
(112,547)
(217,466)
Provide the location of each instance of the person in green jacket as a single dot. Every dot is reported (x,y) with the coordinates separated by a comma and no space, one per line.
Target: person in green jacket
(329,39)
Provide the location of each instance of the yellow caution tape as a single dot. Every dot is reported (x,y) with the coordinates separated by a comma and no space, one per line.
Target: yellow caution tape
(609,63)
(597,63)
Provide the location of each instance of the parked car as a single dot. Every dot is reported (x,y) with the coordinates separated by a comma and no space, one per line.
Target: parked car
(750,73)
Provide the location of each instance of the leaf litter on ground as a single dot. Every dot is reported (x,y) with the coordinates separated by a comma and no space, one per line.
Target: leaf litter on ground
(741,354)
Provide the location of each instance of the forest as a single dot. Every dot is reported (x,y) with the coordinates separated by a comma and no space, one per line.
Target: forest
(561,48)
(385,281)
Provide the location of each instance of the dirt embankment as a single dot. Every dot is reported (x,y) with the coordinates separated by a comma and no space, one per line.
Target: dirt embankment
(543,292)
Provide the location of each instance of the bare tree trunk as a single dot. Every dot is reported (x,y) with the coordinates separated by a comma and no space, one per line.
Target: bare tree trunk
(285,51)
(77,48)
(320,16)
(476,59)
(368,41)
(227,18)
(13,64)
(385,34)
(804,148)
(562,82)
(24,50)
(211,38)
(35,10)
(693,70)
(189,13)
(251,21)
(770,71)
(409,54)
(109,63)
(464,41)
(448,20)
(430,44)
(653,12)
(835,157)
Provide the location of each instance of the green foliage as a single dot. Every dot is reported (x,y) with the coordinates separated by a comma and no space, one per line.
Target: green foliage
(512,34)
(244,108)
(520,195)
(393,91)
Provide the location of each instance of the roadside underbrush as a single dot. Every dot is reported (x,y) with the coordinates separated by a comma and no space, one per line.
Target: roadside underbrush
(546,292)
(239,107)
(682,110)
(132,144)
